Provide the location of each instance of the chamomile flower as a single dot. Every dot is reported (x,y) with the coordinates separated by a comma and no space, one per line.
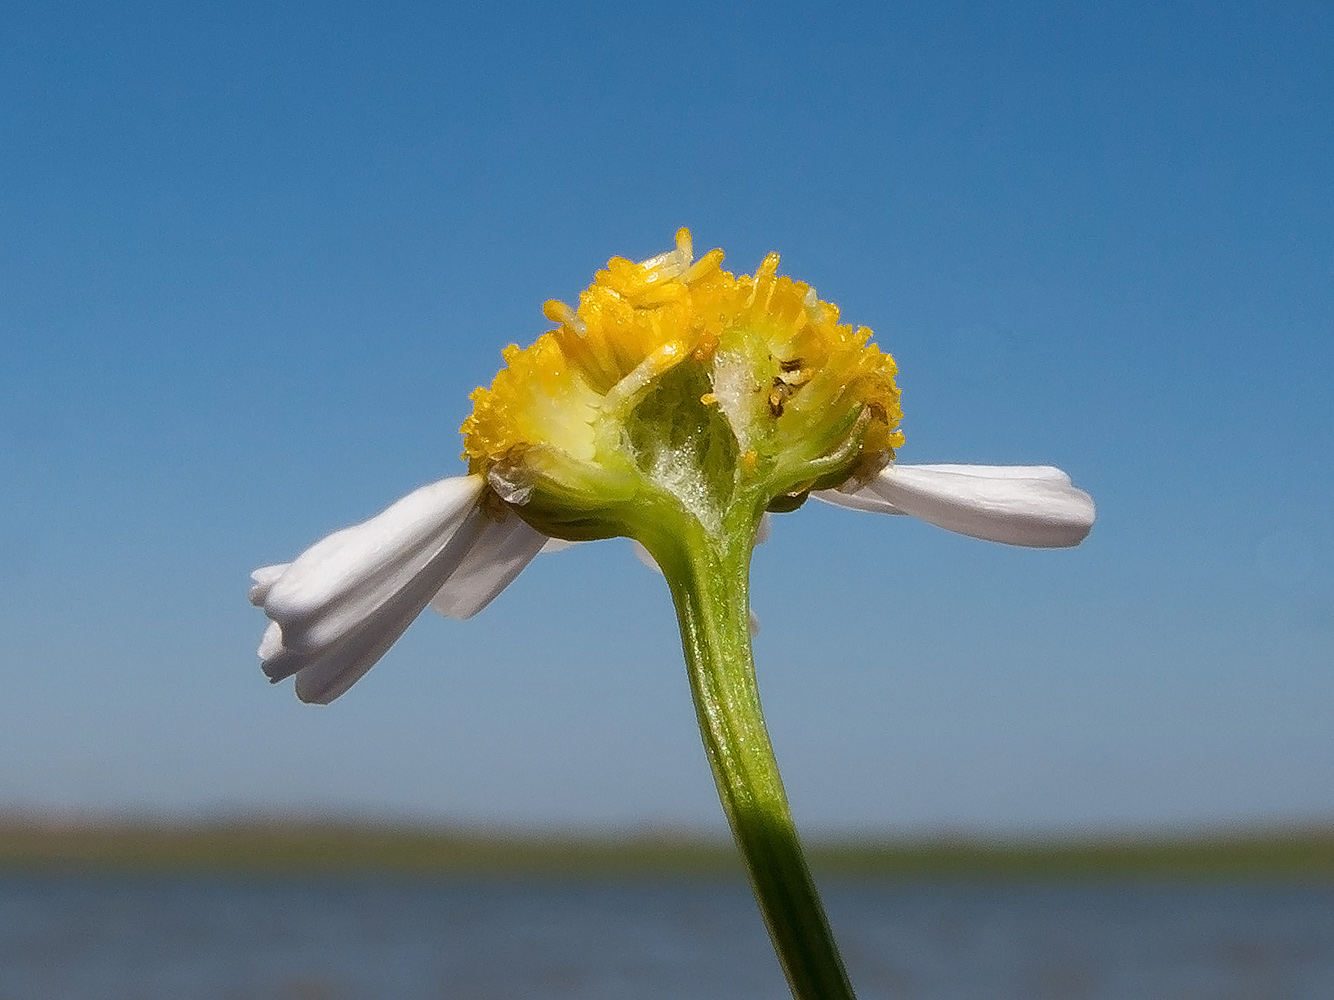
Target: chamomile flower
(677,405)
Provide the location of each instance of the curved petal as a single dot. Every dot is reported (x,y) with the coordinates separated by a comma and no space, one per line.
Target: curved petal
(341,604)
(500,553)
(331,672)
(1035,506)
(343,579)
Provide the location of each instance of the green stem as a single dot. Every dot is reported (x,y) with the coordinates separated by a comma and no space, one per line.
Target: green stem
(709,578)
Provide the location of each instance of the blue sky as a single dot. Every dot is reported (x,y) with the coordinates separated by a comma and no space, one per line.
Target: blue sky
(253,260)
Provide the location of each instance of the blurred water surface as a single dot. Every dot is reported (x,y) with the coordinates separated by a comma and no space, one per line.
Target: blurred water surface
(105,937)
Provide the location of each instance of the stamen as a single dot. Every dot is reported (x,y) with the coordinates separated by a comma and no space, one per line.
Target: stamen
(685,246)
(711,261)
(660,292)
(764,278)
(673,263)
(814,307)
(655,265)
(767,272)
(559,312)
(665,357)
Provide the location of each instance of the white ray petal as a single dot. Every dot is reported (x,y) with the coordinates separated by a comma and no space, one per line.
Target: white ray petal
(558,545)
(862,499)
(1033,506)
(325,676)
(322,675)
(263,579)
(1037,473)
(271,643)
(345,579)
(276,660)
(501,552)
(328,674)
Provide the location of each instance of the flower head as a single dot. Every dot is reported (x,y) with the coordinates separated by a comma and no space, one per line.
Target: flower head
(677,381)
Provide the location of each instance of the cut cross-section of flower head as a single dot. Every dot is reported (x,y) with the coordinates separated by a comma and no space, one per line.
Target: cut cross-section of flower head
(675,395)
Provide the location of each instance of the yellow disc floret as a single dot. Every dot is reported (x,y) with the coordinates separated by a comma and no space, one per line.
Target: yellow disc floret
(804,397)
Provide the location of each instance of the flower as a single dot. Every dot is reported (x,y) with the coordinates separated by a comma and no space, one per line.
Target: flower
(676,397)
(678,406)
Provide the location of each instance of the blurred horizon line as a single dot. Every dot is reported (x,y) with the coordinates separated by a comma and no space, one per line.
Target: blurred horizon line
(313,845)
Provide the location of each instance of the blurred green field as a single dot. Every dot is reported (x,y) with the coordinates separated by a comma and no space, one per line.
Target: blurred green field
(333,847)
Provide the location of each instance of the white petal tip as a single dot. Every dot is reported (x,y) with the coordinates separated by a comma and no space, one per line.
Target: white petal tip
(1028,505)
(311,694)
(1031,506)
(262,581)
